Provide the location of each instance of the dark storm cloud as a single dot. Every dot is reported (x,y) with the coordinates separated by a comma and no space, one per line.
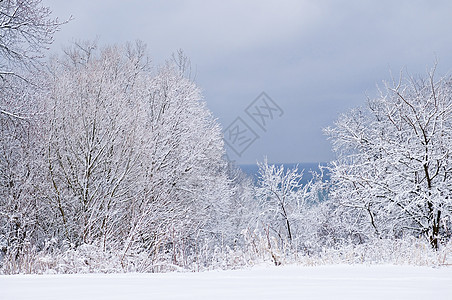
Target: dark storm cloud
(316,59)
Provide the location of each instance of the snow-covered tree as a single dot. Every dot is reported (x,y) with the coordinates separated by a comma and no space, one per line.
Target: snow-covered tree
(134,158)
(26,30)
(93,147)
(188,184)
(394,163)
(19,165)
(243,209)
(284,200)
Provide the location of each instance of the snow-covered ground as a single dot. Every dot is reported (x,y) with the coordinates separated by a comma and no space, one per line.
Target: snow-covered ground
(263,282)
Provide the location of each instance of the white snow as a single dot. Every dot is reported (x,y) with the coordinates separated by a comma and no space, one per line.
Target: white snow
(263,282)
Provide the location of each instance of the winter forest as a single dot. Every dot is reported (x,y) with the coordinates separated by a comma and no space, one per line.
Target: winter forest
(111,163)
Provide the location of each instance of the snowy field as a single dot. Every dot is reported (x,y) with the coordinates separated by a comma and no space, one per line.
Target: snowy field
(288,282)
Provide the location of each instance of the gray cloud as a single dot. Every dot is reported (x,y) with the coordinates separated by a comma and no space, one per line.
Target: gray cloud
(315,58)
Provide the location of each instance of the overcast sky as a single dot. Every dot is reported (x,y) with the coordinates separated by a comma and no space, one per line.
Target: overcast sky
(313,59)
